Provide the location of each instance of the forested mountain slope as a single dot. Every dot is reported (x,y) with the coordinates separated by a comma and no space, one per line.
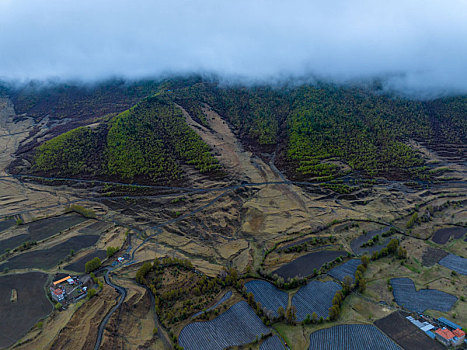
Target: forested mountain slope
(318,132)
(149,140)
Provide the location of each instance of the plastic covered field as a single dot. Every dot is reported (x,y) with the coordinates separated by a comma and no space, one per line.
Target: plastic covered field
(272,343)
(315,297)
(407,296)
(455,263)
(238,325)
(351,337)
(346,269)
(268,295)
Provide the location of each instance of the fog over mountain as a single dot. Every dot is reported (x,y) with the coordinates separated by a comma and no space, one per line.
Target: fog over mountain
(415,45)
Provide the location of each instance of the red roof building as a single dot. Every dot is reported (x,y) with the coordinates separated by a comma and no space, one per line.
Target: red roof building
(447,337)
(57,294)
(445,333)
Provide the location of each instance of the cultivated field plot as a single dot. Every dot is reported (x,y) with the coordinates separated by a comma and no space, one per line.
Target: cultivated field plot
(432,256)
(268,295)
(406,334)
(95,228)
(351,337)
(238,325)
(31,304)
(79,265)
(47,258)
(442,235)
(304,265)
(356,244)
(4,224)
(272,343)
(226,297)
(315,297)
(12,242)
(42,229)
(346,269)
(456,263)
(406,295)
(51,226)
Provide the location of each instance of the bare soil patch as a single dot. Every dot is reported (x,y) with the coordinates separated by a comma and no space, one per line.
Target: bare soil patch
(48,258)
(42,229)
(95,228)
(406,334)
(79,265)
(431,256)
(443,235)
(31,305)
(304,265)
(51,226)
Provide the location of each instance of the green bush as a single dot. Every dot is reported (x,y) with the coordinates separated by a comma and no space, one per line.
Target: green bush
(111,251)
(88,213)
(92,265)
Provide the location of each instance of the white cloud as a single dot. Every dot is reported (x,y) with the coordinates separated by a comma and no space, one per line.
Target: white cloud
(422,44)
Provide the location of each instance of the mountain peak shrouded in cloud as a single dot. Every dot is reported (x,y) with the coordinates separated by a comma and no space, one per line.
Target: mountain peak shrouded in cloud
(416,45)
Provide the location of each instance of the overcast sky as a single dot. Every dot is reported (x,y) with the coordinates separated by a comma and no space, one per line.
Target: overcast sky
(420,45)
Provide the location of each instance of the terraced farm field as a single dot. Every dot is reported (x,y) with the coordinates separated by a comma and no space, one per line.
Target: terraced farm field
(238,325)
(346,269)
(268,295)
(272,343)
(315,297)
(47,258)
(4,224)
(95,228)
(456,263)
(351,337)
(443,235)
(42,229)
(31,304)
(79,265)
(304,265)
(226,297)
(407,296)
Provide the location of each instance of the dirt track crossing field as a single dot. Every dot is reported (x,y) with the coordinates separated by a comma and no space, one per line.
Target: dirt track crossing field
(31,305)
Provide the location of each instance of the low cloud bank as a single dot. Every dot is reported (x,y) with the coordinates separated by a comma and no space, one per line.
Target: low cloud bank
(416,46)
